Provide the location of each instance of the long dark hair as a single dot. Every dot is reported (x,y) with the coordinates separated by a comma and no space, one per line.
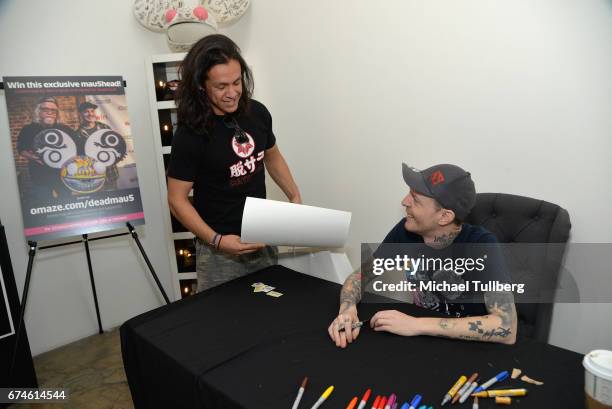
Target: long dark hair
(193,106)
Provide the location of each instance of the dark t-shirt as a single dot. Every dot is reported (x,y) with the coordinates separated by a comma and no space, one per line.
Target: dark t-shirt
(473,241)
(84,133)
(469,234)
(112,172)
(223,171)
(45,179)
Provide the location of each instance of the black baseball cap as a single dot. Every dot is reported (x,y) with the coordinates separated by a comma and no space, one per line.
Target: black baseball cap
(450,185)
(87,105)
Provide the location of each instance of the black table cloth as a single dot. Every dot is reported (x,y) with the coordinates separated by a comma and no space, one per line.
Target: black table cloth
(229,347)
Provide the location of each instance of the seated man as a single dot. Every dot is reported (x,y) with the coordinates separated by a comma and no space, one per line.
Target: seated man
(440,198)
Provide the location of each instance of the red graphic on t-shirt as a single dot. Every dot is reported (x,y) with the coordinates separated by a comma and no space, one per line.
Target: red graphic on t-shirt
(437,177)
(243,150)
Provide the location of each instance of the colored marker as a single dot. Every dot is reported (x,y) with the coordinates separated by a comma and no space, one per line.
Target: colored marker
(353,326)
(501,392)
(497,378)
(376,402)
(415,401)
(364,399)
(353,403)
(423,407)
(391,401)
(503,400)
(405,405)
(468,393)
(394,406)
(464,388)
(383,400)
(323,397)
(475,404)
(449,395)
(300,393)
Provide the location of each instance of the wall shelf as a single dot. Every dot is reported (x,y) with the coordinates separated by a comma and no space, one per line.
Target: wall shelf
(160,70)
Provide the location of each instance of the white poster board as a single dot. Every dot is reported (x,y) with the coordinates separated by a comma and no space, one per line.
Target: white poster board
(288,224)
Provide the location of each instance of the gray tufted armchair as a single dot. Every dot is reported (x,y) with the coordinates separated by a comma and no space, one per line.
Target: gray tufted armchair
(518,219)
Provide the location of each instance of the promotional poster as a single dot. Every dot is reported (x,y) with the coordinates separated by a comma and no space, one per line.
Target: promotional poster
(74,155)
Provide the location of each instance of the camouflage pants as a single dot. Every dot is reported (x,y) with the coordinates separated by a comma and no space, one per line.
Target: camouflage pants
(215,267)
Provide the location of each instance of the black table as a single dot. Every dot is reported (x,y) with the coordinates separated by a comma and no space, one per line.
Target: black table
(231,348)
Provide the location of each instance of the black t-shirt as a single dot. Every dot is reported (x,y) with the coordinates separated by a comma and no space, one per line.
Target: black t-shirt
(43,176)
(223,171)
(473,241)
(469,234)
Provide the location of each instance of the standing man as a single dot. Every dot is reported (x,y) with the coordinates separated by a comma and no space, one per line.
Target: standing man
(440,198)
(221,148)
(88,125)
(45,179)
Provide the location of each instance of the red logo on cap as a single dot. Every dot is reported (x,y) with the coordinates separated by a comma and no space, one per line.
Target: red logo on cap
(436,178)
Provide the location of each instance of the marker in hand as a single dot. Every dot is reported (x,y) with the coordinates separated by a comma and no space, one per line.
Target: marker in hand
(353,326)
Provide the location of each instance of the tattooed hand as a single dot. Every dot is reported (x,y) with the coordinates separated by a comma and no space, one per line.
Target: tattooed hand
(344,320)
(349,298)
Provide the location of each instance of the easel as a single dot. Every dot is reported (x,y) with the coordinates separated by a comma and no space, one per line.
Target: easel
(33,246)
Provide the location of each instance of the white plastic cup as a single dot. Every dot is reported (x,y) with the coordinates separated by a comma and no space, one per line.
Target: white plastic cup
(598,379)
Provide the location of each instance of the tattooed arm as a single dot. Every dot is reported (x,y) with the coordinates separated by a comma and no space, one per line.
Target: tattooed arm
(350,295)
(497,326)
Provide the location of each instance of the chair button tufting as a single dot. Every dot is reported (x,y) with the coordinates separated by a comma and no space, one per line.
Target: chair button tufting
(536,217)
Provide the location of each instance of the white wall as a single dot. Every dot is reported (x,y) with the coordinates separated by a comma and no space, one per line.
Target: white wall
(83,38)
(517,92)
